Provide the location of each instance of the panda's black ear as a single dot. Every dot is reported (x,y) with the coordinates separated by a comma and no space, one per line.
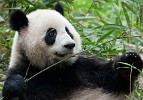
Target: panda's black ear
(59,8)
(18,20)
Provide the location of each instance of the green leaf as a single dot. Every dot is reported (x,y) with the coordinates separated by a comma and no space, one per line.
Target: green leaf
(126,15)
(116,26)
(105,35)
(130,7)
(1,19)
(29,2)
(1,84)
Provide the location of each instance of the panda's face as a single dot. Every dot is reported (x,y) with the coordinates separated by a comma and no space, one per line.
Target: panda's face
(49,37)
(61,42)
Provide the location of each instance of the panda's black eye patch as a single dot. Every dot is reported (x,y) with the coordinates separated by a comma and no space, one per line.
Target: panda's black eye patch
(67,30)
(50,36)
(51,32)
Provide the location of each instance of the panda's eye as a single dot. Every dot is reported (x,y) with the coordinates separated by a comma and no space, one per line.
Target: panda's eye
(50,37)
(51,32)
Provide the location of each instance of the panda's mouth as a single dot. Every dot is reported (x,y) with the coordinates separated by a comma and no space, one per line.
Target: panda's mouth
(60,54)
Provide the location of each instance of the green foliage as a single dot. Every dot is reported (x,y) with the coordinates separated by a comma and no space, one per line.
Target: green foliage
(106,26)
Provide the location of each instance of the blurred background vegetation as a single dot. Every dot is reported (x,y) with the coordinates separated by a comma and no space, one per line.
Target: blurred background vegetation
(108,28)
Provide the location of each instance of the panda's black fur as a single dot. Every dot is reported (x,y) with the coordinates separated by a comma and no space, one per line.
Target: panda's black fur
(16,23)
(85,79)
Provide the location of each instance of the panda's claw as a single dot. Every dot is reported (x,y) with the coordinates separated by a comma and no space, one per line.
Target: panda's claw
(128,64)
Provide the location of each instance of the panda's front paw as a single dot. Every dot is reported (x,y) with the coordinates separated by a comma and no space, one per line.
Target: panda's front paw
(128,65)
(14,87)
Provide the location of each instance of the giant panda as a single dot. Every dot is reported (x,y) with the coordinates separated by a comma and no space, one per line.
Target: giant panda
(45,37)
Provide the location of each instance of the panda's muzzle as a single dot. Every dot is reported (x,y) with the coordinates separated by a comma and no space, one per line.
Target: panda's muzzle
(63,54)
(68,50)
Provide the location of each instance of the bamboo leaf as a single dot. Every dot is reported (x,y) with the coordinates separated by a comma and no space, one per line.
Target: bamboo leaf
(1,19)
(105,35)
(1,84)
(29,2)
(130,7)
(116,26)
(126,15)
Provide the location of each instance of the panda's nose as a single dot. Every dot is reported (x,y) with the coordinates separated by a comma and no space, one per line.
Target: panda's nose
(70,45)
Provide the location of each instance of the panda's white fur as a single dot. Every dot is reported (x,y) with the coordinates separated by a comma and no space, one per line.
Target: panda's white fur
(31,39)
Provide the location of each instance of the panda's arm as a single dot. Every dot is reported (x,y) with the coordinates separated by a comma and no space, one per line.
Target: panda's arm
(111,76)
(15,86)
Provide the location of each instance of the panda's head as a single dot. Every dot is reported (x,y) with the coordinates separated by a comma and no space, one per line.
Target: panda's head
(45,36)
